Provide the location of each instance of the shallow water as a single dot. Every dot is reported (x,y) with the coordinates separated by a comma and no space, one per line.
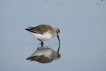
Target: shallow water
(82,33)
(44,54)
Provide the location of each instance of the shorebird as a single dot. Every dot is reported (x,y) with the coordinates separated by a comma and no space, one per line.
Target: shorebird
(44,32)
(45,55)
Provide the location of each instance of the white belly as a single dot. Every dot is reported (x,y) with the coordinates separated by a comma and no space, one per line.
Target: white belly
(43,37)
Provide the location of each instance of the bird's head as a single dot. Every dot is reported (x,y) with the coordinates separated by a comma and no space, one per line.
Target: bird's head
(57,31)
(57,54)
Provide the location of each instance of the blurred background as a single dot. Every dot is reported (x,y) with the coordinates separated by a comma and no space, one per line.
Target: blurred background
(83,34)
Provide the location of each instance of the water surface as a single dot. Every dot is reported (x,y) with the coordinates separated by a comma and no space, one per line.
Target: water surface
(82,35)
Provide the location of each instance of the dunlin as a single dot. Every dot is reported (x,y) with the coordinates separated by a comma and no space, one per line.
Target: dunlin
(44,32)
(45,55)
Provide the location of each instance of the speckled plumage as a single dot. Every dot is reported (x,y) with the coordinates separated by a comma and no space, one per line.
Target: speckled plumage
(44,32)
(44,55)
(40,28)
(40,59)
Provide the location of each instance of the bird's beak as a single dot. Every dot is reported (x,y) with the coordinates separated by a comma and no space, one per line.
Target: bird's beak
(58,39)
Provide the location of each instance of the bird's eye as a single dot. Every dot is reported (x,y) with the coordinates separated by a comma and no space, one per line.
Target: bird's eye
(58,55)
(57,31)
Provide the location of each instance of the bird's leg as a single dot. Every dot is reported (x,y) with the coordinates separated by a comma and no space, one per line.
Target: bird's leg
(41,43)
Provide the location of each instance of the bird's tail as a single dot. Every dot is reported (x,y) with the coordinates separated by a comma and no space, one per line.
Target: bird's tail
(34,58)
(30,29)
(28,58)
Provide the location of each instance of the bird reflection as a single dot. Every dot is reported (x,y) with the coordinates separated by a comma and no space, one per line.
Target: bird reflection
(44,55)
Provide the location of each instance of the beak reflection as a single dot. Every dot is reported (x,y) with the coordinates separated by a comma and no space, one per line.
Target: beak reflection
(58,49)
(58,39)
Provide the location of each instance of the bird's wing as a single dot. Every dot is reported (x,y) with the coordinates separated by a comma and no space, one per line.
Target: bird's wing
(41,59)
(39,29)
